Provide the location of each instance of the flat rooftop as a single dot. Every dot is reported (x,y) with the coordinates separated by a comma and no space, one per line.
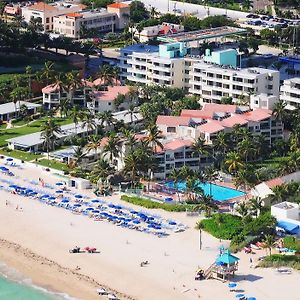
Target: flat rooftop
(140,48)
(203,34)
(9,107)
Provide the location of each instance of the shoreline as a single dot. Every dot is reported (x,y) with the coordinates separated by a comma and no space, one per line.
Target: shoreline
(55,278)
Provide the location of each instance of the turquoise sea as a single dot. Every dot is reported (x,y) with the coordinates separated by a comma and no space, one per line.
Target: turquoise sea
(13,286)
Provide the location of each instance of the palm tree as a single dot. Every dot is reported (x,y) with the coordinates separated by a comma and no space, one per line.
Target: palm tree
(78,155)
(131,112)
(108,75)
(112,147)
(101,170)
(88,122)
(49,131)
(175,175)
(93,144)
(200,148)
(221,142)
(233,162)
(210,175)
(256,205)
(76,115)
(279,111)
(28,71)
(130,139)
(154,137)
(279,193)
(64,107)
(269,242)
(153,12)
(131,165)
(199,226)
(207,204)
(106,118)
(48,72)
(243,210)
(246,148)
(73,82)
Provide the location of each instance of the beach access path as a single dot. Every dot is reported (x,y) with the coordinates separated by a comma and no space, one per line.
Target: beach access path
(47,233)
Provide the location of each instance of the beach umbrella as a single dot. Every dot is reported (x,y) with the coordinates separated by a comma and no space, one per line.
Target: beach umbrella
(9,159)
(240,296)
(59,192)
(232,285)
(133,212)
(77,205)
(95,211)
(118,207)
(33,193)
(111,205)
(59,183)
(51,198)
(65,201)
(172,223)
(95,201)
(45,196)
(136,222)
(251,298)
(13,186)
(90,208)
(78,196)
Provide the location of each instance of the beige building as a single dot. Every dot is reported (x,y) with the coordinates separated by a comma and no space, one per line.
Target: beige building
(122,11)
(71,24)
(46,12)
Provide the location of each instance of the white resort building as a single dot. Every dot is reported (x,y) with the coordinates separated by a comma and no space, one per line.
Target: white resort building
(290,92)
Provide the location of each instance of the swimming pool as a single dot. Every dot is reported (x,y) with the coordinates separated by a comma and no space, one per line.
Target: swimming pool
(219,193)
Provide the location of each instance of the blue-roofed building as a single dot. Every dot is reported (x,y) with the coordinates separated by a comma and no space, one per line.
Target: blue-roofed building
(287,215)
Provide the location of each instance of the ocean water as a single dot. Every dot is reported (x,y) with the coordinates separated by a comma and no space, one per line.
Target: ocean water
(14,286)
(218,192)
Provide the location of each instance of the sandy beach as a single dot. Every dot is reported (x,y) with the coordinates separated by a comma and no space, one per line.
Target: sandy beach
(36,241)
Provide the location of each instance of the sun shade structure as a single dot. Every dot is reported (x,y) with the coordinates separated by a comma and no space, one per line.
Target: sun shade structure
(227,258)
(288,227)
(203,34)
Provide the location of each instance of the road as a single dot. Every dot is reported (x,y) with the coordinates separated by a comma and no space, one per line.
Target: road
(199,11)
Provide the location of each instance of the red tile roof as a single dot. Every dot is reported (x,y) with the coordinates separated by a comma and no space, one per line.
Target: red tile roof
(193,113)
(111,93)
(214,107)
(233,120)
(257,114)
(274,182)
(50,88)
(173,121)
(74,15)
(211,127)
(118,5)
(41,6)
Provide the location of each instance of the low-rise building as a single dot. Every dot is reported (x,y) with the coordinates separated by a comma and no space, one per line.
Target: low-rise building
(73,24)
(122,11)
(151,32)
(263,101)
(290,92)
(45,13)
(10,110)
(213,118)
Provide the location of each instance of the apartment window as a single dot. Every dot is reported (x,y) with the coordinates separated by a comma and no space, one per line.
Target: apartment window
(226,77)
(219,76)
(226,86)
(47,20)
(206,92)
(270,78)
(270,87)
(186,71)
(210,75)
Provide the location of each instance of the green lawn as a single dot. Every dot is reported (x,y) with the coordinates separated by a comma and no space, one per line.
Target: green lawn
(32,128)
(53,164)
(20,154)
(275,162)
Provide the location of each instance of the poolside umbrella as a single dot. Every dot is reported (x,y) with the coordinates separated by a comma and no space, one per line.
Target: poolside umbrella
(111,205)
(78,196)
(232,285)
(95,201)
(59,183)
(240,296)
(65,201)
(133,212)
(59,192)
(9,159)
(118,206)
(96,211)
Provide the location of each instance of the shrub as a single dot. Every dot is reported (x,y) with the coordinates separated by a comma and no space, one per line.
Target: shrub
(226,228)
(152,205)
(292,243)
(279,260)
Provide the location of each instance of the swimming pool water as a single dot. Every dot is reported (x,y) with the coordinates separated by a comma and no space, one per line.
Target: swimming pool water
(219,193)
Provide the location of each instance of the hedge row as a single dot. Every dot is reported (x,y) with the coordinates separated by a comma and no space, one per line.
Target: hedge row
(152,204)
